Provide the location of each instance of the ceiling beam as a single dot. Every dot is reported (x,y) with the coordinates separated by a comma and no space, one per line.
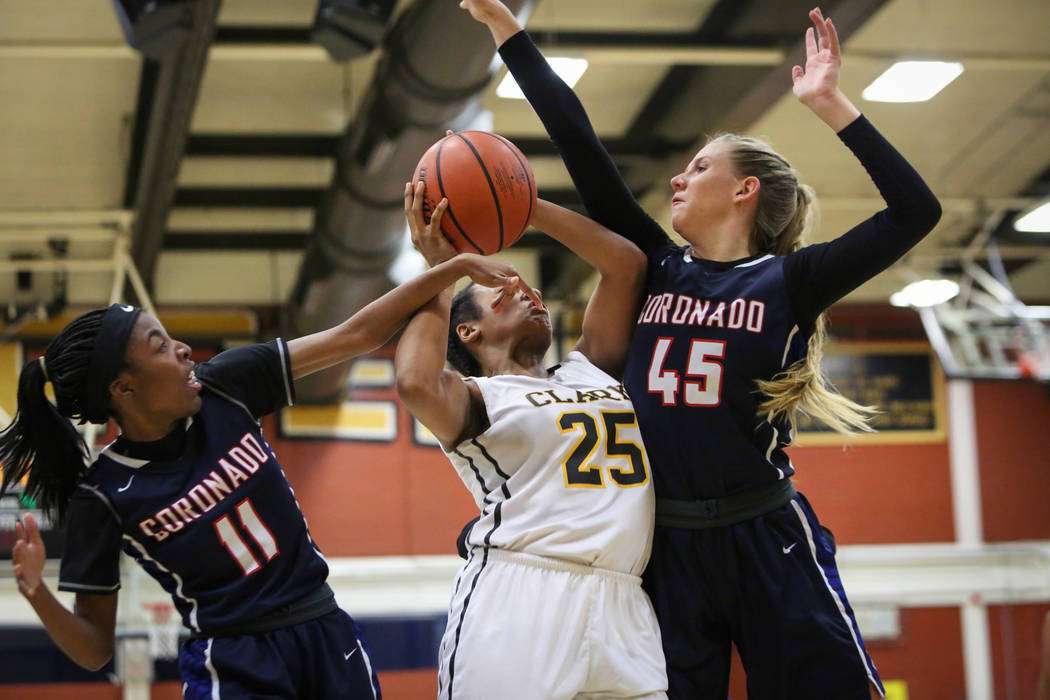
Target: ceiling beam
(178,85)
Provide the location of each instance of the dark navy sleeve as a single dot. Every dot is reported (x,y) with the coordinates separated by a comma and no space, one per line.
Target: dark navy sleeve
(91,560)
(821,274)
(259,376)
(601,187)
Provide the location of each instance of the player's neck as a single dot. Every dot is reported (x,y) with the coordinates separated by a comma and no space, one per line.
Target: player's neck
(722,241)
(522,359)
(149,429)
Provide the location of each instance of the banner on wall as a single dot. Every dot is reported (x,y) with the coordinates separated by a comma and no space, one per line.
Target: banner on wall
(902,380)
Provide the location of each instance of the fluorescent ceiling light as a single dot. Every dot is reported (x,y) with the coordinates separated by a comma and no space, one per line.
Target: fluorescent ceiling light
(912,81)
(568,69)
(1035,221)
(925,293)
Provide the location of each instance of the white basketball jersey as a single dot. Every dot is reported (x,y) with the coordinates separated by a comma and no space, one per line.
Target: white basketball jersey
(561,471)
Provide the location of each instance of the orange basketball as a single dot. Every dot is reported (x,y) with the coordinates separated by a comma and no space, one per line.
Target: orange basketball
(490,188)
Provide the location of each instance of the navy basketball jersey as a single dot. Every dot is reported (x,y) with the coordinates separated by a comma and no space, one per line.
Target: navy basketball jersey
(216,525)
(706,331)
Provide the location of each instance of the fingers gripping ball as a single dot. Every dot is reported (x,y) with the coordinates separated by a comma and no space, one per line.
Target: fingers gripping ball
(490,188)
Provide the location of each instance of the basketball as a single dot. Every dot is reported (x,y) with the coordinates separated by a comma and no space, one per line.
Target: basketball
(490,188)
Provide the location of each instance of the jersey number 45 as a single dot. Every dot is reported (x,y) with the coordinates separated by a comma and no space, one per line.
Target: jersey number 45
(703,386)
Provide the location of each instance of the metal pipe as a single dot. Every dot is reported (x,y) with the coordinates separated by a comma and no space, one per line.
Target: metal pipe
(436,62)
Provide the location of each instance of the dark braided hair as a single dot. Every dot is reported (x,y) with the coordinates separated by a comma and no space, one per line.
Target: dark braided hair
(463,310)
(41,442)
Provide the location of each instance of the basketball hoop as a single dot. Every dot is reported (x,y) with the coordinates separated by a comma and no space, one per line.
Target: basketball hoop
(163,626)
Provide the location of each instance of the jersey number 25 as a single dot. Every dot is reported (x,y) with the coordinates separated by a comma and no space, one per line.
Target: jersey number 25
(703,364)
(577,470)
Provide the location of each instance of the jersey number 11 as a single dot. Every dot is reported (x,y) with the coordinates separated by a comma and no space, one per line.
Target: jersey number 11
(236,545)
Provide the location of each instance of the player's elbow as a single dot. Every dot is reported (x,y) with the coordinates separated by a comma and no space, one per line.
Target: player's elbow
(926,212)
(633,267)
(95,658)
(932,212)
(415,388)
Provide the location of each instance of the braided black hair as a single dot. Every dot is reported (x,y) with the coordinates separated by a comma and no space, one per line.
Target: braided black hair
(464,309)
(41,442)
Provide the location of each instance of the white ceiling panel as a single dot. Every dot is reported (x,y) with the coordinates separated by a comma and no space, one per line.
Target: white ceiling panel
(967,27)
(238,277)
(620,90)
(65,138)
(271,12)
(67,21)
(240,219)
(601,15)
(272,95)
(202,171)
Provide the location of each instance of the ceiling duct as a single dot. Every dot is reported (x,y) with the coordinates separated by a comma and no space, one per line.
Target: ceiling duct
(436,62)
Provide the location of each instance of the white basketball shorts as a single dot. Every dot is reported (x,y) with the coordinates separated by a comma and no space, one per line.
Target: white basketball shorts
(530,628)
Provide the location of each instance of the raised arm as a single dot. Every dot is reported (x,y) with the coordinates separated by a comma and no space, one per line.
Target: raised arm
(85,635)
(612,308)
(453,410)
(819,275)
(608,199)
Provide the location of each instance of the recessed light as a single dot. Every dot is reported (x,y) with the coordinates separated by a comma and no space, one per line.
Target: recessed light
(912,81)
(925,293)
(568,69)
(1035,221)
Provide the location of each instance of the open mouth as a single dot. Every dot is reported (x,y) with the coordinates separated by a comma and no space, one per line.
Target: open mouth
(192,381)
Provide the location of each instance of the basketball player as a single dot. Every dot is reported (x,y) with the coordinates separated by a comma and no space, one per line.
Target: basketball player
(549,603)
(725,352)
(193,492)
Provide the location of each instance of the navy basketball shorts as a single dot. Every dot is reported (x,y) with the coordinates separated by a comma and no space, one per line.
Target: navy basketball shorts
(320,658)
(770,585)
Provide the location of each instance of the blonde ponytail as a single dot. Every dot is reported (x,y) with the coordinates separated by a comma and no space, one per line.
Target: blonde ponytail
(803,389)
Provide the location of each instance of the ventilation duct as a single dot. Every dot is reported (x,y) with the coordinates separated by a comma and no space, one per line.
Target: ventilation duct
(436,62)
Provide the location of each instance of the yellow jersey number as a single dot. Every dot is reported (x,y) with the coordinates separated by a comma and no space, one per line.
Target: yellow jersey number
(578,468)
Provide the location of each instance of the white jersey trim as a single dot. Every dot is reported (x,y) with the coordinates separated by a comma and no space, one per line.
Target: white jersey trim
(178,581)
(286,370)
(65,585)
(834,594)
(102,497)
(131,461)
(211,671)
(122,459)
(754,262)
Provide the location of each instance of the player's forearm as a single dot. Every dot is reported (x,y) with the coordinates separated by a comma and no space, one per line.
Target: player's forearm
(374,325)
(386,315)
(81,640)
(612,255)
(834,109)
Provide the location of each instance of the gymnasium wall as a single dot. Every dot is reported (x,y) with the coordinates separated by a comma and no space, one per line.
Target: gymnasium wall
(399,496)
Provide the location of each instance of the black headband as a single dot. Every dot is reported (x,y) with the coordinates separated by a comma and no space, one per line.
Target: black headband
(106,360)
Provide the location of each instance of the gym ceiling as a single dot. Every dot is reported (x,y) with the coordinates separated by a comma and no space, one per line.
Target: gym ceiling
(218,166)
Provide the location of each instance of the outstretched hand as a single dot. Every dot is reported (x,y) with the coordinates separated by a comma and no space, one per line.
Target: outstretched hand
(489,272)
(426,235)
(820,77)
(28,556)
(817,85)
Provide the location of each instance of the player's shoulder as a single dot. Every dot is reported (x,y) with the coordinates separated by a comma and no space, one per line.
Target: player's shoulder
(578,366)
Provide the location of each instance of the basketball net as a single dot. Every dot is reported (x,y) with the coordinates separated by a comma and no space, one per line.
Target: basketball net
(986,332)
(163,627)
